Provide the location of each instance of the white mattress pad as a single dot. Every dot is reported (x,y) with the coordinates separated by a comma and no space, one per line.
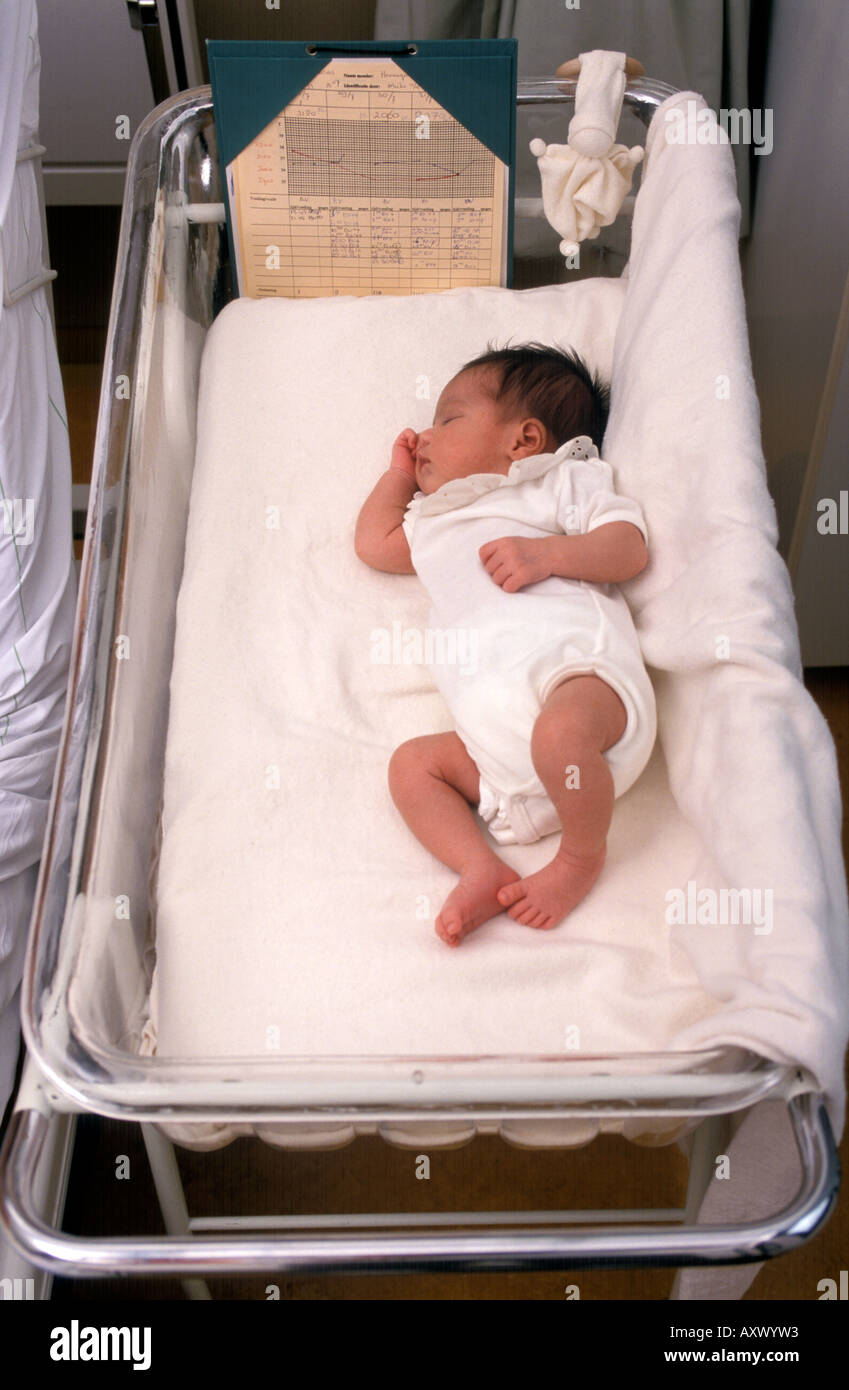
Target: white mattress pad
(293,903)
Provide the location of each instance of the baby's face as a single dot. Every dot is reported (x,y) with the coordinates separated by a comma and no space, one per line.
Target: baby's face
(469,435)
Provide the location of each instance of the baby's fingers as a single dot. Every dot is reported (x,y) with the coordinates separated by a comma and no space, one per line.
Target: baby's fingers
(500,573)
(490,551)
(514,582)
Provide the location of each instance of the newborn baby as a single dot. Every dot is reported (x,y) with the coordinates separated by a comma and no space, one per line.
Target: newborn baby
(509,517)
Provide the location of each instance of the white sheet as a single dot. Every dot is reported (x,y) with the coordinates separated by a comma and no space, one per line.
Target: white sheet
(751,762)
(306,908)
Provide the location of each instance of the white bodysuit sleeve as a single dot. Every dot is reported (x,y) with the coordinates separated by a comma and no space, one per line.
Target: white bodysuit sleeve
(409,522)
(588,498)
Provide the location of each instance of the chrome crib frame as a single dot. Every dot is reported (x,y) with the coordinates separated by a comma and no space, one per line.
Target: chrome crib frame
(173,251)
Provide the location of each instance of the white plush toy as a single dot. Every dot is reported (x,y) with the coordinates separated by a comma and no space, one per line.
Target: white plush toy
(585,182)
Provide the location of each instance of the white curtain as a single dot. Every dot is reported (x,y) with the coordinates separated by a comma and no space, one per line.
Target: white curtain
(37,588)
(694,45)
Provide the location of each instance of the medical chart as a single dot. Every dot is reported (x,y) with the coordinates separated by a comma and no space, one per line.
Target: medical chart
(364,184)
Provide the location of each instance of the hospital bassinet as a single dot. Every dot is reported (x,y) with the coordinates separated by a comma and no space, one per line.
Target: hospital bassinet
(172,278)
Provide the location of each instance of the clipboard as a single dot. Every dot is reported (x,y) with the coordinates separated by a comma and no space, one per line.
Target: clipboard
(370,167)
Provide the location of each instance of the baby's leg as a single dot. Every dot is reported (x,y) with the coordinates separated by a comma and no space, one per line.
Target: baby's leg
(433,780)
(580,719)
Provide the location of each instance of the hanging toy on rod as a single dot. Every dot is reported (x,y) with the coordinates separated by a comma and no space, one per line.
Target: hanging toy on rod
(585,181)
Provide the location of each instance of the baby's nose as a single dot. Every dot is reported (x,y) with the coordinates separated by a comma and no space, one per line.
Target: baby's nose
(424,439)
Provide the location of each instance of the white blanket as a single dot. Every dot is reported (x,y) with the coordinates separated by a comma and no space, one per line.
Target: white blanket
(295,908)
(751,762)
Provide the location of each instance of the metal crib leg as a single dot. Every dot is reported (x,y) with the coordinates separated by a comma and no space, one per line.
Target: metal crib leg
(707,1141)
(172,1199)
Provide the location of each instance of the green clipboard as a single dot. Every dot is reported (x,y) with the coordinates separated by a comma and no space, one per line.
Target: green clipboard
(333,171)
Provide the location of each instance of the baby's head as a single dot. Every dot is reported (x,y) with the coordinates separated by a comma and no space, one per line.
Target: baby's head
(507,404)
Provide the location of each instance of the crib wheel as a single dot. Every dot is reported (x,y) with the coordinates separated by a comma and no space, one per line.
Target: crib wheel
(572,68)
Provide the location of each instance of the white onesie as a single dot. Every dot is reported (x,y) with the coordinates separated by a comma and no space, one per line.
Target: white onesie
(518,646)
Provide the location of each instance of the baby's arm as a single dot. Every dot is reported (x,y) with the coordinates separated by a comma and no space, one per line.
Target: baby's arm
(609,554)
(379,539)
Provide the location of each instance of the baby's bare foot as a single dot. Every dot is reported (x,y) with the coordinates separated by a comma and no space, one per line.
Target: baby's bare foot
(545,898)
(474,900)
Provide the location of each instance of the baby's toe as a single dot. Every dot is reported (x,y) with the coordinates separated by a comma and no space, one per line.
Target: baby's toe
(511,893)
(447,929)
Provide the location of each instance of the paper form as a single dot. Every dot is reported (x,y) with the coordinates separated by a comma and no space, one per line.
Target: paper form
(366,185)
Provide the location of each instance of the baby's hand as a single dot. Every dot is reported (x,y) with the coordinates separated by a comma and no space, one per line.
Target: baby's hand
(516,561)
(402,453)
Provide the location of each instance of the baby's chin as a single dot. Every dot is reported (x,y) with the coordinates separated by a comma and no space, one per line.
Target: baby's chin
(426,480)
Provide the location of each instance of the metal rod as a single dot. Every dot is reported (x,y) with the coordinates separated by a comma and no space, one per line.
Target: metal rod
(514,1249)
(172,1199)
(374,1219)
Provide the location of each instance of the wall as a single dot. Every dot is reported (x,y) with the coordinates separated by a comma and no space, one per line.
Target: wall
(93,69)
(795,264)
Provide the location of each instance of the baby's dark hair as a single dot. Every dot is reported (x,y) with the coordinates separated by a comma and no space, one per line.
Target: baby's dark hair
(551,384)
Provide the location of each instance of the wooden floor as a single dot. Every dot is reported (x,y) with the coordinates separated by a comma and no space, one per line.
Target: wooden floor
(248,1176)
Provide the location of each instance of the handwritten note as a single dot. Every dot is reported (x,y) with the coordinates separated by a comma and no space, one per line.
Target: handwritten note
(365,185)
